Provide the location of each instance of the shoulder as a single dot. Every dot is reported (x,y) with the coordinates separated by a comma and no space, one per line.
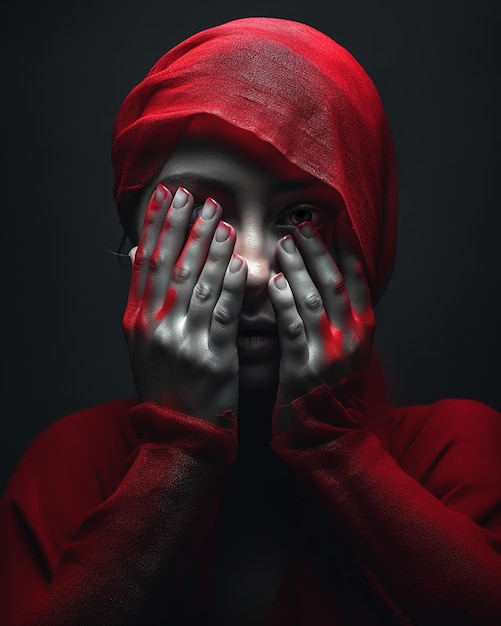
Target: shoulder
(69,469)
(97,432)
(449,420)
(85,452)
(453,447)
(88,431)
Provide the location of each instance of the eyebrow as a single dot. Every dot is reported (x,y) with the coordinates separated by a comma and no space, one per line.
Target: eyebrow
(213,182)
(198,180)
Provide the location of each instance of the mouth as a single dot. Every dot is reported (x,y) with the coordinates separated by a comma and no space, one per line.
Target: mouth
(256,332)
(256,343)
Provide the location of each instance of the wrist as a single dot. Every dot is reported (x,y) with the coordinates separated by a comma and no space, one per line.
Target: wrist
(325,412)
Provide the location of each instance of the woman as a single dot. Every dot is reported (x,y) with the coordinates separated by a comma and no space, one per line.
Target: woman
(255,178)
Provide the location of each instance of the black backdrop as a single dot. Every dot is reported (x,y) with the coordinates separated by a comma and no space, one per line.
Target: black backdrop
(65,69)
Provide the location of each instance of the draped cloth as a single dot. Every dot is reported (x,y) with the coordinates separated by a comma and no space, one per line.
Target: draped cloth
(291,86)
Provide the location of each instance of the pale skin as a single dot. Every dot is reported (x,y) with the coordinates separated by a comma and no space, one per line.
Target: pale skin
(248,250)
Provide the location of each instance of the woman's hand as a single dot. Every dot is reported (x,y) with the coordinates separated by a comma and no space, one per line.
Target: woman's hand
(181,319)
(325,319)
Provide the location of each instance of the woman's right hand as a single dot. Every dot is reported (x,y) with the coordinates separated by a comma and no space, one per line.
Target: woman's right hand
(181,319)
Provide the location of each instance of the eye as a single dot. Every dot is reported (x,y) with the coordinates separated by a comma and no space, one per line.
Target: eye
(298,213)
(195,212)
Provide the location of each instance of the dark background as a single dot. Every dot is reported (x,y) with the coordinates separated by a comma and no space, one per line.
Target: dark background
(66,68)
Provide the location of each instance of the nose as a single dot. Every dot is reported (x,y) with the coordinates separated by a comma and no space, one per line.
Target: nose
(259,251)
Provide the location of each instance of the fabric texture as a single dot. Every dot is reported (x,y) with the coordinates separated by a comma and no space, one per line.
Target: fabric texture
(293,87)
(109,518)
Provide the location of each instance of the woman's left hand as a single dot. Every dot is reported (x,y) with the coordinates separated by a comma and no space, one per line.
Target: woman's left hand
(324,317)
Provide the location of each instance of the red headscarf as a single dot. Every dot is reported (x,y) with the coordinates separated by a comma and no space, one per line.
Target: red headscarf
(289,85)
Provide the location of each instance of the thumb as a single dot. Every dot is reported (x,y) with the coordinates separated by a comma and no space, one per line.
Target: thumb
(132,254)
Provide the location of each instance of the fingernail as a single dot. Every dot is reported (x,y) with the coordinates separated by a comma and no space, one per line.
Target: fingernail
(306,230)
(209,209)
(235,263)
(288,244)
(280,282)
(160,193)
(180,198)
(222,231)
(132,254)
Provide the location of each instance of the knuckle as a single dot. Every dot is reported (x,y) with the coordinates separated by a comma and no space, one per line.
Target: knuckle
(222,314)
(169,224)
(328,277)
(197,232)
(150,218)
(338,284)
(157,261)
(294,328)
(142,258)
(181,272)
(314,302)
(203,292)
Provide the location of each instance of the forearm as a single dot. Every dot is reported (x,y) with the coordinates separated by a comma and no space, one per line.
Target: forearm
(146,533)
(432,561)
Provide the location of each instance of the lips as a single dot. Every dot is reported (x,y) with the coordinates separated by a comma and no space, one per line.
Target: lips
(257,339)
(257,326)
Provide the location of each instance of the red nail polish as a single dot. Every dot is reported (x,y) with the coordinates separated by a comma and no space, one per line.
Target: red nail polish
(235,263)
(160,193)
(280,282)
(223,231)
(288,244)
(306,229)
(180,198)
(209,209)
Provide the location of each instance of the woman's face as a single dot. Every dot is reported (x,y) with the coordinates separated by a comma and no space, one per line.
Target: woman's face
(263,197)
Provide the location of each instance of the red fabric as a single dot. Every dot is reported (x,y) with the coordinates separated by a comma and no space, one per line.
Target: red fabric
(289,85)
(108,518)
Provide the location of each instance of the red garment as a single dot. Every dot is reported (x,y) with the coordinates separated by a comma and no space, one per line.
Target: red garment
(395,513)
(288,84)
(109,517)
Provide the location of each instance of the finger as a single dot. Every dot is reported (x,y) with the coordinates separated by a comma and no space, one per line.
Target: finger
(350,258)
(193,256)
(208,287)
(132,254)
(166,252)
(308,300)
(290,326)
(155,213)
(355,279)
(225,316)
(324,272)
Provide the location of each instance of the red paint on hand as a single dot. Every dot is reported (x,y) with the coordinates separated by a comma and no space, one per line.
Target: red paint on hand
(333,339)
(170,301)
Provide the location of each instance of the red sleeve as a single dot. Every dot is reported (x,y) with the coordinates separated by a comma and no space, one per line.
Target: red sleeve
(423,517)
(83,546)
